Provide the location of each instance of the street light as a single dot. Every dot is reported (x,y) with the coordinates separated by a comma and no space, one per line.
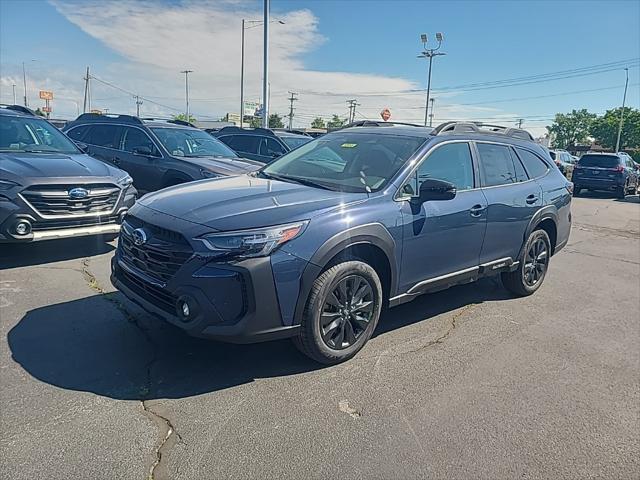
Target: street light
(251,24)
(624,99)
(186,89)
(430,53)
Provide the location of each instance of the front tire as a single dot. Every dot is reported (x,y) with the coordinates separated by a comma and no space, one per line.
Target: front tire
(341,314)
(532,269)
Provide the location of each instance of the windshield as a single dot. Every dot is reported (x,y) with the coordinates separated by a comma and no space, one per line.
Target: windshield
(602,161)
(345,161)
(31,134)
(186,142)
(295,142)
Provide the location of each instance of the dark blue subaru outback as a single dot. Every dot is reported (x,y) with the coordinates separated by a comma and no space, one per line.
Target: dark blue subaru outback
(315,244)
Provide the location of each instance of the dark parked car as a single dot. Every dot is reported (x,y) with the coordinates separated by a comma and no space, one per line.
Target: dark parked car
(261,144)
(49,188)
(156,153)
(315,244)
(606,172)
(564,161)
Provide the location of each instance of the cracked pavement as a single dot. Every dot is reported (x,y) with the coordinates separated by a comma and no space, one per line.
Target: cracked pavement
(465,383)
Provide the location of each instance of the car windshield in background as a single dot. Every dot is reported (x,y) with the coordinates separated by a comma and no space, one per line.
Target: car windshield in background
(601,161)
(295,142)
(552,154)
(186,142)
(345,161)
(29,134)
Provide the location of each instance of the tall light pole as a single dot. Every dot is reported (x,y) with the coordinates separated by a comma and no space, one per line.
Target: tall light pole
(246,25)
(430,53)
(624,99)
(24,80)
(14,93)
(186,91)
(265,67)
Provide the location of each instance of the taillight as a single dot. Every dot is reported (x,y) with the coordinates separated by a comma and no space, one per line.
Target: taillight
(619,169)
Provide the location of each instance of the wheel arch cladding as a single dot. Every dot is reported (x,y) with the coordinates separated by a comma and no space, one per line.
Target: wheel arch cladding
(549,226)
(546,219)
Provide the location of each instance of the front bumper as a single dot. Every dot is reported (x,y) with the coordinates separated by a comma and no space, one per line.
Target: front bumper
(235,303)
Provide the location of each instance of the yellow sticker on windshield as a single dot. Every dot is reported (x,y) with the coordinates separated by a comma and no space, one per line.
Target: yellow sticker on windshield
(349,145)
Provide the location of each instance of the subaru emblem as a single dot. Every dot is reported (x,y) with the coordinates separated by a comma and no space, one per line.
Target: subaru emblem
(78,193)
(139,237)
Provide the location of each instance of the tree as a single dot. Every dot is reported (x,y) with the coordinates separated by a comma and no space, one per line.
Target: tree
(255,122)
(39,112)
(605,128)
(318,122)
(571,128)
(275,121)
(336,122)
(183,117)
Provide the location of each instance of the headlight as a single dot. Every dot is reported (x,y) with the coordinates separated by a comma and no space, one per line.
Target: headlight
(259,242)
(208,174)
(125,181)
(7,185)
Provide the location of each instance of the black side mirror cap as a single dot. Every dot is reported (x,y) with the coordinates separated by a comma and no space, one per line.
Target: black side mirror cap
(433,189)
(144,151)
(84,148)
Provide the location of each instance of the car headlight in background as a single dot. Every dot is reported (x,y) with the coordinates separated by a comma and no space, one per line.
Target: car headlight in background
(257,242)
(208,174)
(125,181)
(7,185)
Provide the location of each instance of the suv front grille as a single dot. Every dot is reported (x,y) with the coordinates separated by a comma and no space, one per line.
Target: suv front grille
(158,296)
(160,257)
(54,201)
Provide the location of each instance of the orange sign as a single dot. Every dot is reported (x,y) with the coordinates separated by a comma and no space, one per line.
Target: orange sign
(385,114)
(45,109)
(46,95)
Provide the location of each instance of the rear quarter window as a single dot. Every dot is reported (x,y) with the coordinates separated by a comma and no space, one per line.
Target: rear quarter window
(535,166)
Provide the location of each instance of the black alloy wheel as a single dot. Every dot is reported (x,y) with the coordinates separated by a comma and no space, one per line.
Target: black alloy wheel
(536,262)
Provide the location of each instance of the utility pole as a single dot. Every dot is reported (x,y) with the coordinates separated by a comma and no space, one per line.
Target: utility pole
(86,92)
(242,77)
(24,80)
(265,67)
(431,114)
(430,53)
(624,99)
(292,99)
(186,91)
(138,103)
(352,109)
(14,94)
(520,120)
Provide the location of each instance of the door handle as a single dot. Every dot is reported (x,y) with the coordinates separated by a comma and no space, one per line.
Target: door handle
(531,199)
(477,210)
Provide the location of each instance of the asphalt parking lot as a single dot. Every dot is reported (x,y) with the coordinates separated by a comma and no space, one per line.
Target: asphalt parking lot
(466,383)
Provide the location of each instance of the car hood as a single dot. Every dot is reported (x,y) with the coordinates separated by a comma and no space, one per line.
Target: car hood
(227,165)
(39,165)
(237,203)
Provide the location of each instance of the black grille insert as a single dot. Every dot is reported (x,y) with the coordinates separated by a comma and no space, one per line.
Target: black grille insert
(55,200)
(159,297)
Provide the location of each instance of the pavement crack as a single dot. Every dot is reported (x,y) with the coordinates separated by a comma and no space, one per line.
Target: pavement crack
(169,435)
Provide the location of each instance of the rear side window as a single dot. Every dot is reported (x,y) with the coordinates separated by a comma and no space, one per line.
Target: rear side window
(497,165)
(534,164)
(601,161)
(104,136)
(243,143)
(78,132)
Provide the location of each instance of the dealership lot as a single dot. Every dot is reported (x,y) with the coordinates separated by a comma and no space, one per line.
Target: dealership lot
(466,383)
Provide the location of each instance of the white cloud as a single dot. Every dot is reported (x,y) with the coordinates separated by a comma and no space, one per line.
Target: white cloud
(158,40)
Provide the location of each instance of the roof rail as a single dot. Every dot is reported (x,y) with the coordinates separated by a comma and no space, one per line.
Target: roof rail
(481,128)
(108,117)
(380,123)
(18,108)
(293,130)
(235,129)
(175,121)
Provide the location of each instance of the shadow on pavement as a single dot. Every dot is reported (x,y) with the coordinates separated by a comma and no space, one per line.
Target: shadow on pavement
(142,358)
(609,196)
(14,255)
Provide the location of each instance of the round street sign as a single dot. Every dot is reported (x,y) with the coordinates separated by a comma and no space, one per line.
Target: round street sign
(385,114)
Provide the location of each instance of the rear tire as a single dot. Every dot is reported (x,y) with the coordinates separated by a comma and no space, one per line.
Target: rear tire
(341,314)
(533,266)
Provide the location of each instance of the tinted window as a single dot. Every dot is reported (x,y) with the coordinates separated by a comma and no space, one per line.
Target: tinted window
(135,138)
(30,134)
(497,165)
(243,143)
(78,132)
(295,142)
(104,135)
(534,164)
(191,142)
(346,160)
(521,174)
(451,163)
(271,148)
(601,161)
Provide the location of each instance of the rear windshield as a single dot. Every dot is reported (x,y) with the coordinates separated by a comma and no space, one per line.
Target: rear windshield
(602,161)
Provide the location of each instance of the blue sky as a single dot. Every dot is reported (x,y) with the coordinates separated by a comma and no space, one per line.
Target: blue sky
(343,47)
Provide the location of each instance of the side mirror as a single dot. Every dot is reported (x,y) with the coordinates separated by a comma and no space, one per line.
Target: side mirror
(143,151)
(434,189)
(84,148)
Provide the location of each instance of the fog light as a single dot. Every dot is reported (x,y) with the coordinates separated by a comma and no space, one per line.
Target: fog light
(185,309)
(22,227)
